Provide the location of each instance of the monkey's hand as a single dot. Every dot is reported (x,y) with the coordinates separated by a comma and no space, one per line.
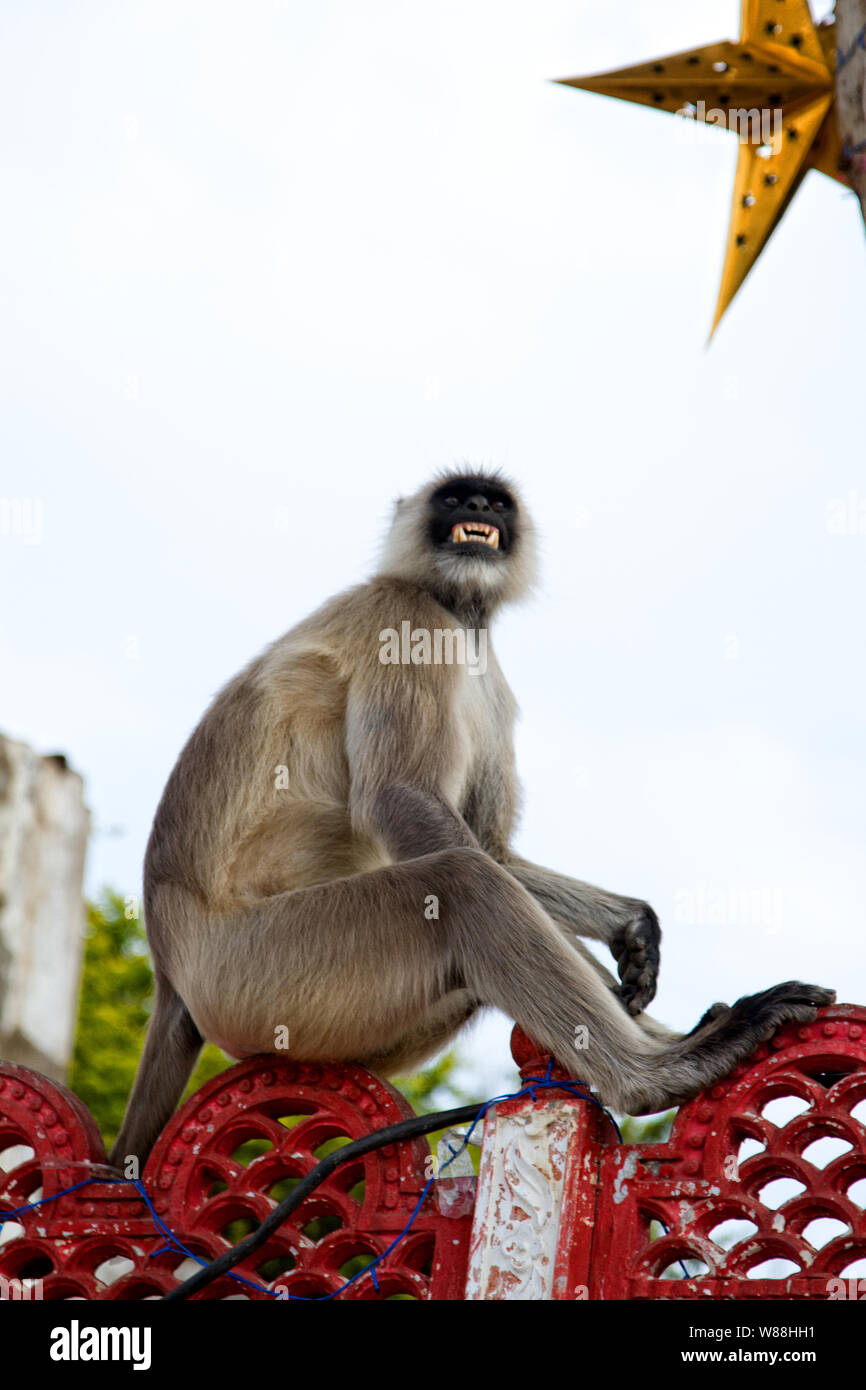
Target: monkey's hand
(635,947)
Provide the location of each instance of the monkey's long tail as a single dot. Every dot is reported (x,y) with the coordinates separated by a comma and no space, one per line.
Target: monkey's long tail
(171,1050)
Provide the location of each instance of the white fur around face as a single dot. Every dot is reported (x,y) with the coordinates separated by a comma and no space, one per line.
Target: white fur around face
(409,555)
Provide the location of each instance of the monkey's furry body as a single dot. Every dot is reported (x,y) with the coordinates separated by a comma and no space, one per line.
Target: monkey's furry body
(326,797)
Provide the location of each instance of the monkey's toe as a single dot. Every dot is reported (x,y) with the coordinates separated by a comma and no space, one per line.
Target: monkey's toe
(637,992)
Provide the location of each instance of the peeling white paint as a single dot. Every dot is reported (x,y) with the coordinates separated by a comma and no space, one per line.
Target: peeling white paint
(628,1170)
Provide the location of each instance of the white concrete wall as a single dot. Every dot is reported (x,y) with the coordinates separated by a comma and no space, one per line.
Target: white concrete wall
(44,826)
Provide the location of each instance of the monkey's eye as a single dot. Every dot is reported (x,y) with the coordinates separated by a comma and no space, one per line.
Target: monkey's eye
(450,501)
(499,506)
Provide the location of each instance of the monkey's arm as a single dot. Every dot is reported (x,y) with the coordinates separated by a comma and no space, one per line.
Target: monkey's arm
(412,820)
(627,926)
(400,742)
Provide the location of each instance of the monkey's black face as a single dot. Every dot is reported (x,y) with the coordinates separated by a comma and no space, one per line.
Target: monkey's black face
(474,516)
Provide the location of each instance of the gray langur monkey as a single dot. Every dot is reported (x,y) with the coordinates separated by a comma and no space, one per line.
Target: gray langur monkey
(330,794)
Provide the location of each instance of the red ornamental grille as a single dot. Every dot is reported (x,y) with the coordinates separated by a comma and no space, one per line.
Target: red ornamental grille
(764,1175)
(762,1185)
(227,1157)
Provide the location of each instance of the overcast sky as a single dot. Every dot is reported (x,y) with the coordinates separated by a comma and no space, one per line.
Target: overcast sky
(263,266)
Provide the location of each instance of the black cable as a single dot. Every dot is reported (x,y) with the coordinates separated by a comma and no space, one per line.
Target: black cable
(404,1129)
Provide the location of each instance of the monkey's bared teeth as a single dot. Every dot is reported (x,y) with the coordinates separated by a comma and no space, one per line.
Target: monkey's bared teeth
(475,531)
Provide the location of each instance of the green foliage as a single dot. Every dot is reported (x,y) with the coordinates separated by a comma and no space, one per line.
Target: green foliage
(433,1088)
(654,1130)
(114,1008)
(211,1062)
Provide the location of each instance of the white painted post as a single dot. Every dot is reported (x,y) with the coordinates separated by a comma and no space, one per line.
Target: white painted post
(518,1210)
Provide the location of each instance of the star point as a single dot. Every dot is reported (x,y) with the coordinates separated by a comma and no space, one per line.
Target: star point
(775,88)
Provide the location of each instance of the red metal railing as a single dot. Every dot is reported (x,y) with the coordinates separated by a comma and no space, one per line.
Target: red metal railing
(633,1216)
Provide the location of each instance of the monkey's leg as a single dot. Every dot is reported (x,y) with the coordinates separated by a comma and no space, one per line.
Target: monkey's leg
(170,1051)
(644,1022)
(627,926)
(350,966)
(649,1025)
(442,1023)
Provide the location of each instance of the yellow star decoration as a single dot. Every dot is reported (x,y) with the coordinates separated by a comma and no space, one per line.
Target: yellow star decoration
(775,87)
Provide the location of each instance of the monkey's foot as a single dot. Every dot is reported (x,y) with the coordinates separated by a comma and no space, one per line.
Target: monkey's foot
(637,952)
(713,1012)
(756,1017)
(763,1014)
